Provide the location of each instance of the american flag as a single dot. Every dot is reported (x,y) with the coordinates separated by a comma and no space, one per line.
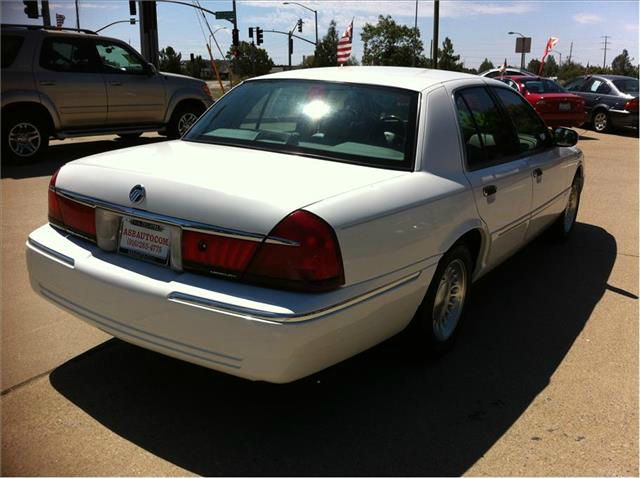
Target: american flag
(344,45)
(60,20)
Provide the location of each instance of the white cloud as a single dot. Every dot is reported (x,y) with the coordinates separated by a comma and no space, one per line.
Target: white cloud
(587,18)
(631,27)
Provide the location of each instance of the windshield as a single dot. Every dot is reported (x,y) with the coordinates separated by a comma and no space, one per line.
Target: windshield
(369,125)
(542,86)
(627,85)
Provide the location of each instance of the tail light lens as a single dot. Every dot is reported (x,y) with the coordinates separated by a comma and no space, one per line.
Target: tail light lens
(310,262)
(631,105)
(211,253)
(72,215)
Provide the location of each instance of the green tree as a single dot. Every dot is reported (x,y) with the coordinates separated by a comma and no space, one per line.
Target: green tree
(447,59)
(327,50)
(621,64)
(195,67)
(170,60)
(486,65)
(251,60)
(551,67)
(570,70)
(390,44)
(534,66)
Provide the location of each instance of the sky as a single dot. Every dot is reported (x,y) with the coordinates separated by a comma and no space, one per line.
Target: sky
(478,29)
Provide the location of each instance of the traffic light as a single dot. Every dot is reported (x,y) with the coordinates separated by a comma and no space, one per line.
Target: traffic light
(300,25)
(132,8)
(31,8)
(259,35)
(236,37)
(250,32)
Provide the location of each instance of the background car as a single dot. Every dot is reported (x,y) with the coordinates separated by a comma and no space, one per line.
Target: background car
(307,216)
(611,101)
(65,83)
(496,72)
(556,106)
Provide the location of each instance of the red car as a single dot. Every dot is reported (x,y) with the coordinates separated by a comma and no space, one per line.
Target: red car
(556,105)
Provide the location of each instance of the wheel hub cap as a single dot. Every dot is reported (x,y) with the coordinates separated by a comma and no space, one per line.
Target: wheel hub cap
(186,120)
(449,300)
(24,139)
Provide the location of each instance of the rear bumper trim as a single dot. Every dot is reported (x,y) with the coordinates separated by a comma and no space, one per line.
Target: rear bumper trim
(274,318)
(55,255)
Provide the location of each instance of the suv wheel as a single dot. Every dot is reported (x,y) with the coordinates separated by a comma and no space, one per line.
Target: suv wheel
(24,138)
(182,119)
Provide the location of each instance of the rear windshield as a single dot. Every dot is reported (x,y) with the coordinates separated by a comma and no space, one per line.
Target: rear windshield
(369,125)
(542,86)
(627,85)
(10,47)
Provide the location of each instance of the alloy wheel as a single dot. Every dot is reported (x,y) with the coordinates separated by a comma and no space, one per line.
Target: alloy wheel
(449,300)
(24,139)
(185,122)
(600,121)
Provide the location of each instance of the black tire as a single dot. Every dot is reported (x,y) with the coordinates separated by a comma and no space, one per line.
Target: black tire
(129,136)
(600,121)
(427,332)
(561,229)
(180,117)
(25,137)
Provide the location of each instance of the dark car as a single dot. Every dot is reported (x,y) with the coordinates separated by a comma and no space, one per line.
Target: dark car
(611,101)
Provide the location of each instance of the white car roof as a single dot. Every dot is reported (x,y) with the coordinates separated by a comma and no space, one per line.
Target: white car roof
(416,79)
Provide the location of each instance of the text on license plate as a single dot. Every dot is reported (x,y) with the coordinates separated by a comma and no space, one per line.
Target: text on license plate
(564,107)
(145,239)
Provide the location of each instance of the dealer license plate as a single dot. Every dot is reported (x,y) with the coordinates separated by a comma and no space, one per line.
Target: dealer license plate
(565,107)
(145,240)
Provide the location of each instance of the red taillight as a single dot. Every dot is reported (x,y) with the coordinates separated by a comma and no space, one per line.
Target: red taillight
(213,253)
(78,217)
(55,215)
(310,262)
(631,105)
(71,215)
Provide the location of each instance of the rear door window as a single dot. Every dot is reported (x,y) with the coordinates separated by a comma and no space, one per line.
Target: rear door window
(487,132)
(531,130)
(575,85)
(69,55)
(10,48)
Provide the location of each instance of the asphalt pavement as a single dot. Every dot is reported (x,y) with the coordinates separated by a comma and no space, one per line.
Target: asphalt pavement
(543,379)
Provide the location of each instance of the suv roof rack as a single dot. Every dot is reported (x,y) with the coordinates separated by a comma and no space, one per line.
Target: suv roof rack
(41,27)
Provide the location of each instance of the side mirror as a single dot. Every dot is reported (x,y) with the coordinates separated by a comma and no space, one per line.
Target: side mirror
(150,69)
(565,137)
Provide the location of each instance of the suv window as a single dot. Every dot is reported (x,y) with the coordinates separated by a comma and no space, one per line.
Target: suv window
(10,47)
(532,132)
(487,133)
(72,55)
(117,59)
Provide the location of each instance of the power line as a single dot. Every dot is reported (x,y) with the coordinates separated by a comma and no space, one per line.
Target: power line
(606,42)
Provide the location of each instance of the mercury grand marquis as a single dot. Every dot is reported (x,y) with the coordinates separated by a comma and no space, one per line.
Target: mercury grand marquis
(307,216)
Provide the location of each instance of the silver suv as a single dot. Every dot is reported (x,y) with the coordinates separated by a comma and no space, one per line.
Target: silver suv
(58,83)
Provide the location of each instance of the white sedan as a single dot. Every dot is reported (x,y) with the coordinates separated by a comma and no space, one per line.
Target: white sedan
(307,216)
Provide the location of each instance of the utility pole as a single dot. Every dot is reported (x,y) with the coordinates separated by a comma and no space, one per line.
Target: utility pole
(436,21)
(606,42)
(77,16)
(148,31)
(570,52)
(46,17)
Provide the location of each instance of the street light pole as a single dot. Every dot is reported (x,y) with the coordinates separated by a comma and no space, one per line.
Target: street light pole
(556,51)
(315,13)
(521,54)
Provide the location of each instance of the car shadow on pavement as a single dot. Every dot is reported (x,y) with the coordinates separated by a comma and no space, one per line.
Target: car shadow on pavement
(384,412)
(60,153)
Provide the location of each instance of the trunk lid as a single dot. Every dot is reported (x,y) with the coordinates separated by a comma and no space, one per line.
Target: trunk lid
(235,188)
(551,103)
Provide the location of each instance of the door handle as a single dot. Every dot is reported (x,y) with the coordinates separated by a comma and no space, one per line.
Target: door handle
(48,83)
(115,83)
(597,98)
(489,190)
